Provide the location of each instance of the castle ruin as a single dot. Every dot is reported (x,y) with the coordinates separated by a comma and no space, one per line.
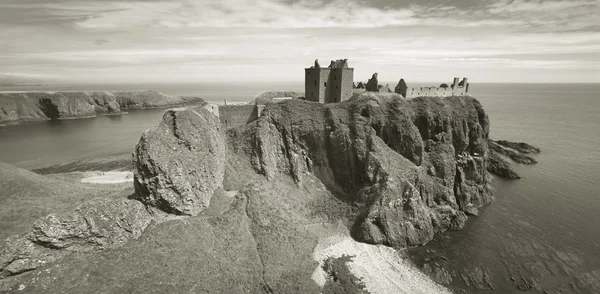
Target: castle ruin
(335,84)
(456,89)
(332,84)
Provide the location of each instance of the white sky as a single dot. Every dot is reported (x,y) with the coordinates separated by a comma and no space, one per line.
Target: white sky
(261,40)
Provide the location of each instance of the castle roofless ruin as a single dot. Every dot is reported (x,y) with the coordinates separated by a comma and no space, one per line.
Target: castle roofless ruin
(335,83)
(332,84)
(329,85)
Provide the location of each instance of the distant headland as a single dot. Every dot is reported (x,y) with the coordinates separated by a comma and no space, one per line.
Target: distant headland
(36,106)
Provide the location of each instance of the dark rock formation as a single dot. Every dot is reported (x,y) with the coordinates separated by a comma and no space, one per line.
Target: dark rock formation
(360,85)
(514,155)
(68,105)
(179,163)
(96,225)
(373,84)
(519,146)
(500,167)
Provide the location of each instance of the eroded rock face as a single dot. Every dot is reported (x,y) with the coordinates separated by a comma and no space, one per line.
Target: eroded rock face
(416,167)
(179,163)
(96,225)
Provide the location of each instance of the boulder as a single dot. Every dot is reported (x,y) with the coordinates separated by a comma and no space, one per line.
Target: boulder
(96,225)
(179,163)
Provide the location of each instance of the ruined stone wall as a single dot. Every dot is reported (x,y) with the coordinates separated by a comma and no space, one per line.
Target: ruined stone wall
(413,92)
(238,115)
(344,83)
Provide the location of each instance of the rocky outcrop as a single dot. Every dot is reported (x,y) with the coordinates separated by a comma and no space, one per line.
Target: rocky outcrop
(515,151)
(179,163)
(513,154)
(27,106)
(96,225)
(519,146)
(372,84)
(500,167)
(415,166)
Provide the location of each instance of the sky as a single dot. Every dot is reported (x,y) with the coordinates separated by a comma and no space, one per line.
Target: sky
(236,41)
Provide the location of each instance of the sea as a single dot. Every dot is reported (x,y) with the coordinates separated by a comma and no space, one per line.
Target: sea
(541,232)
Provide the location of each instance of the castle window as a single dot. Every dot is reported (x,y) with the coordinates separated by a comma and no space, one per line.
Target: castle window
(325,84)
(315,83)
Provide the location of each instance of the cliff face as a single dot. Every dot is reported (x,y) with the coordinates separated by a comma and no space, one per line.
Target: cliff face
(415,167)
(66,105)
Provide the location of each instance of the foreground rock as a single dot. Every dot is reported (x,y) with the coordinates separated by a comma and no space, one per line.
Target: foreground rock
(96,225)
(27,106)
(179,164)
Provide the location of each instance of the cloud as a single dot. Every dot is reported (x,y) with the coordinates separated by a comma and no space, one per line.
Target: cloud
(265,39)
(101,42)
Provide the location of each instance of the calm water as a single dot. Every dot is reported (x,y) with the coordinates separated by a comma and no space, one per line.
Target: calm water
(546,225)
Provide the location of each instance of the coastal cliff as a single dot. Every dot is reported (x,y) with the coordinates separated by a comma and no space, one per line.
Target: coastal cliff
(409,168)
(28,106)
(273,206)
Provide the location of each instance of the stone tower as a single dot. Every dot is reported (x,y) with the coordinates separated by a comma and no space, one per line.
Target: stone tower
(401,88)
(329,85)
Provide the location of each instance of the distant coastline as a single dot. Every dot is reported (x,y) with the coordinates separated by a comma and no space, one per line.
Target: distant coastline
(20,106)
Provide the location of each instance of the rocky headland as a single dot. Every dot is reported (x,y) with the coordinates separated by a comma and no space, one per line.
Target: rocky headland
(32,106)
(245,209)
